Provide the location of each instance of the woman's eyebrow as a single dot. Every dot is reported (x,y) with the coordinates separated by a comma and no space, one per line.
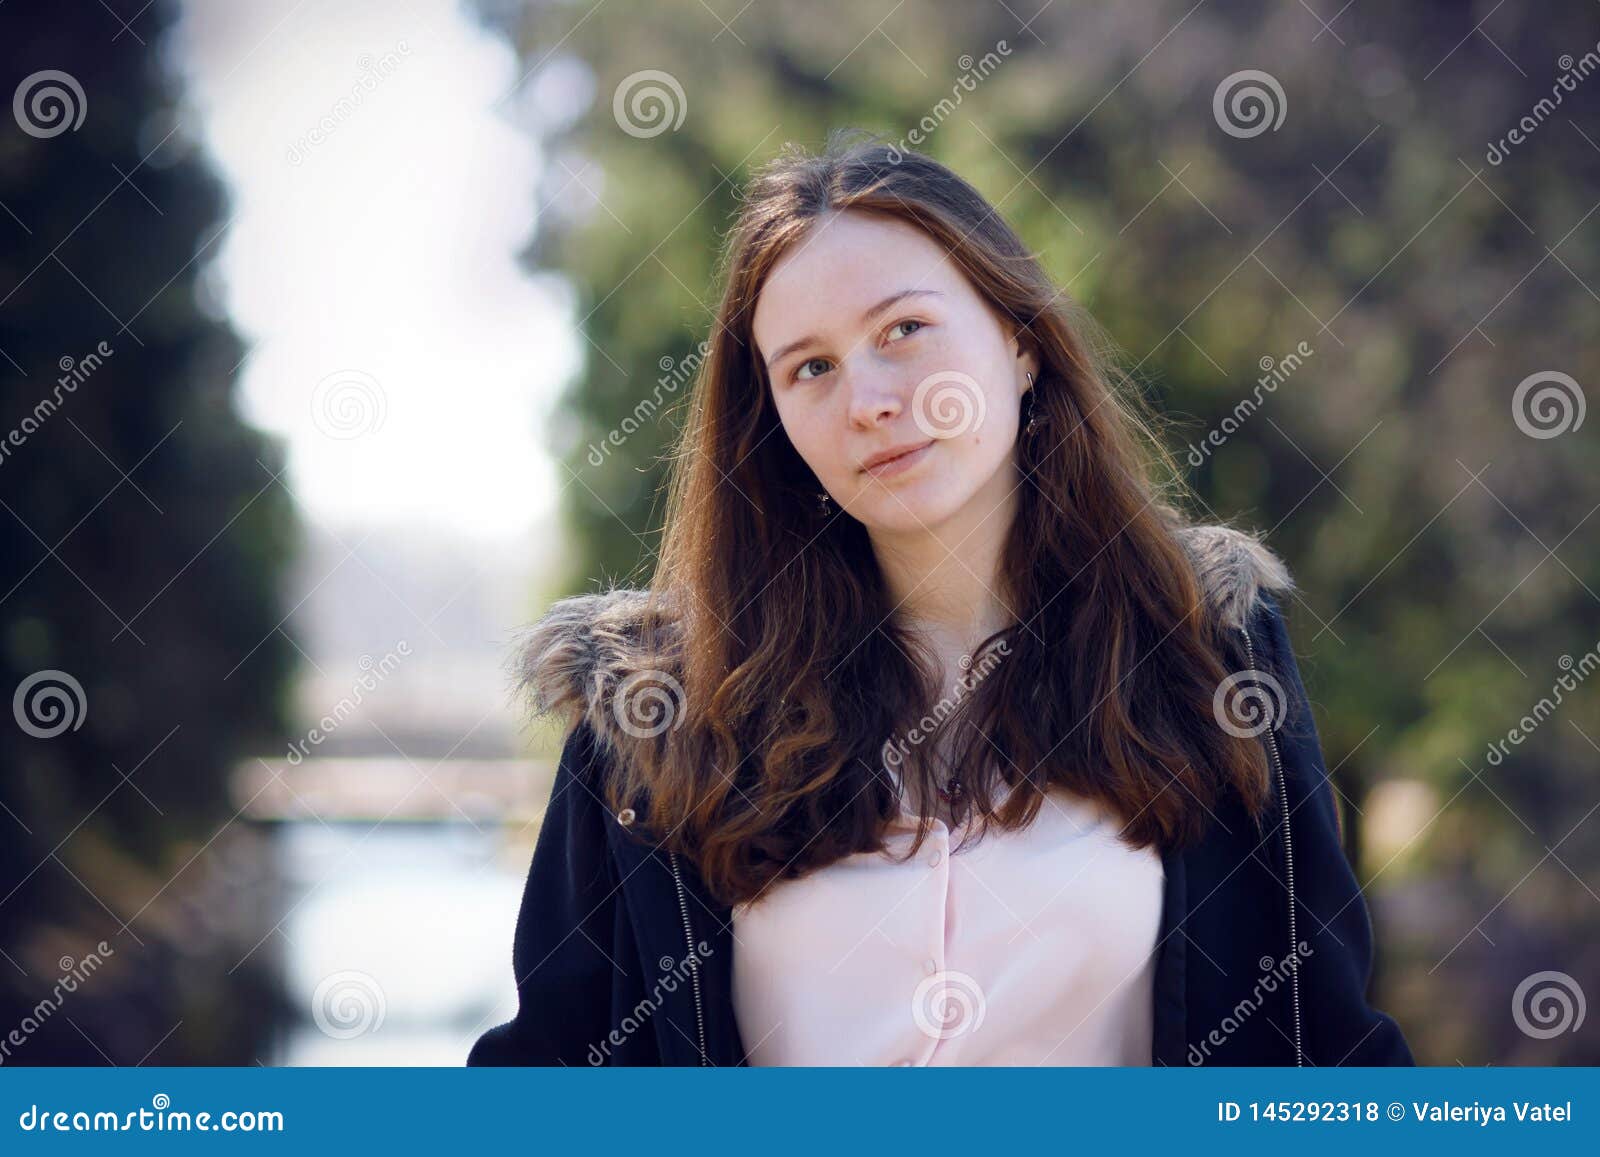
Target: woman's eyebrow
(872,312)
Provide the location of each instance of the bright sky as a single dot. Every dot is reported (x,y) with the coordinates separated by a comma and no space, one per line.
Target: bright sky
(398,344)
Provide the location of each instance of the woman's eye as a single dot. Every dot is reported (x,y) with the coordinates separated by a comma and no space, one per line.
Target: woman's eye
(800,374)
(816,367)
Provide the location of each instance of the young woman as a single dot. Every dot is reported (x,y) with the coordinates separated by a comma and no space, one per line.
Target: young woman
(940,737)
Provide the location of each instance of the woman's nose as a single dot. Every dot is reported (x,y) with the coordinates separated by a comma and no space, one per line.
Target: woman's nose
(873,402)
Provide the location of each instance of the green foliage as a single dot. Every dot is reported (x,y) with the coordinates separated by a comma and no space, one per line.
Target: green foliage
(1389,470)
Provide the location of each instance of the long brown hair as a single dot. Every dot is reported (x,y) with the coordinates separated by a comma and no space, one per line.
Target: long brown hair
(791,671)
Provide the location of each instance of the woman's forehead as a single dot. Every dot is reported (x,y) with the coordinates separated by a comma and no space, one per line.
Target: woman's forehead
(843,265)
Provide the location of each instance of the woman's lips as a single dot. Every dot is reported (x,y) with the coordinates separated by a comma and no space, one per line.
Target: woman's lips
(901,464)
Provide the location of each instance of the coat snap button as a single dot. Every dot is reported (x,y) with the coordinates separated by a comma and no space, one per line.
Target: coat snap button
(625,816)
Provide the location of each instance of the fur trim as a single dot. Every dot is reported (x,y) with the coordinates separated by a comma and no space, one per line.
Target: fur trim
(571,661)
(1234,568)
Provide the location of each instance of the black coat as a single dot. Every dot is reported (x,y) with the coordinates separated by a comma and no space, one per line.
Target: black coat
(1265,945)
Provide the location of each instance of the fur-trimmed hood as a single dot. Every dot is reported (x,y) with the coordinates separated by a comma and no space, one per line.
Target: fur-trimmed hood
(570,662)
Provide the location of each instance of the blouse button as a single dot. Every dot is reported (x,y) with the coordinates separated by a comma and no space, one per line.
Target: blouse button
(933,860)
(625,816)
(930,966)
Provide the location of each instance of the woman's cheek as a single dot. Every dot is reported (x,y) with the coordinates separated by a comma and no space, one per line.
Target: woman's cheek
(936,355)
(827,463)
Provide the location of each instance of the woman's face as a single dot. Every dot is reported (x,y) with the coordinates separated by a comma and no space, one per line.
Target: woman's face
(875,341)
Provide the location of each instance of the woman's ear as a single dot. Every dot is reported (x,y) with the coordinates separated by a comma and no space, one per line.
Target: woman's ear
(1027,357)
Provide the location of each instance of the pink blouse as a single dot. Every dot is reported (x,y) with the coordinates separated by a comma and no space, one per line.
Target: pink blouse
(1026,948)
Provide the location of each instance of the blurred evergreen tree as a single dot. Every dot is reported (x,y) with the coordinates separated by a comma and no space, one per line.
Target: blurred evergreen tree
(142,538)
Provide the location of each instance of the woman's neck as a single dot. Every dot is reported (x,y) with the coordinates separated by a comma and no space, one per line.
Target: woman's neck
(944,583)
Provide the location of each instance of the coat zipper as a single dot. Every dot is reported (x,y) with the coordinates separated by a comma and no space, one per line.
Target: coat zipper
(1288,855)
(693,957)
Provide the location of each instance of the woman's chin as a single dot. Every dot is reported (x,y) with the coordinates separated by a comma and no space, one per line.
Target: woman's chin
(908,510)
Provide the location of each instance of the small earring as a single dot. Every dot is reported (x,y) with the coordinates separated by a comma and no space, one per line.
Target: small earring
(1033,408)
(824,503)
